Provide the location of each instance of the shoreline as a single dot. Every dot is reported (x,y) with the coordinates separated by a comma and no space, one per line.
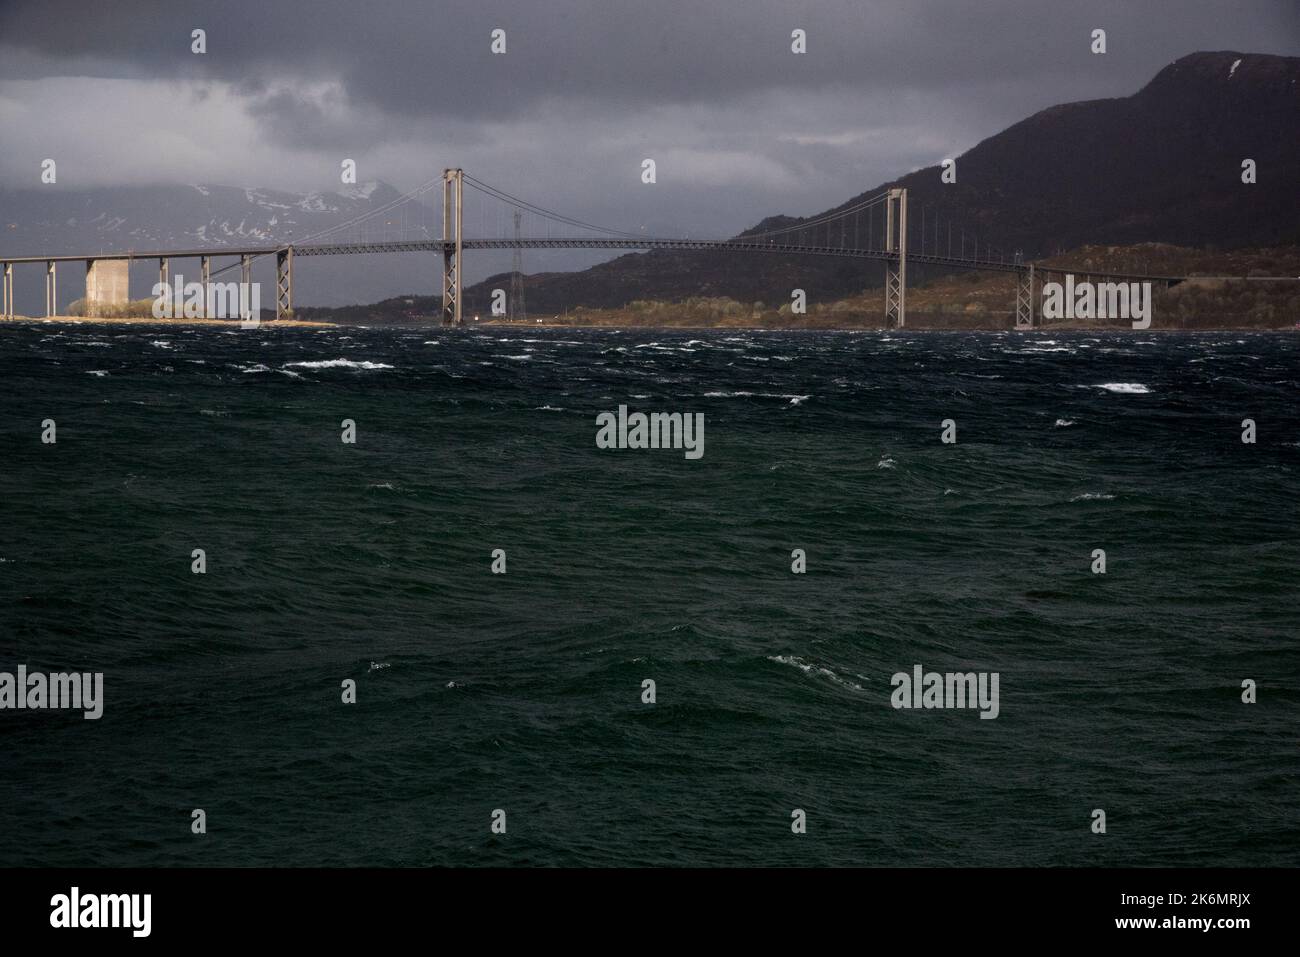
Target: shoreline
(495,325)
(1055,327)
(150,321)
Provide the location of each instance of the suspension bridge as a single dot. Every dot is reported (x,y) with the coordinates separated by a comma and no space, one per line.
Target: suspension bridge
(872,229)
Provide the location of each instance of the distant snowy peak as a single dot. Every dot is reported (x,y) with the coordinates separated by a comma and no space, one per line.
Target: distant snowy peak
(351,197)
(121,218)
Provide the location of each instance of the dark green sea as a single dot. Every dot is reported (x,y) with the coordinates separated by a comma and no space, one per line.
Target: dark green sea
(478,691)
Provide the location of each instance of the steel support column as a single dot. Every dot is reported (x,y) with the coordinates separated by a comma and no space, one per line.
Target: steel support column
(896,271)
(205,277)
(452,215)
(1025,312)
(284,283)
(51,288)
(245,286)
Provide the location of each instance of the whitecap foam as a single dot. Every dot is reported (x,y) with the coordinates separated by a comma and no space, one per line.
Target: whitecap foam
(811,668)
(1124,388)
(339,364)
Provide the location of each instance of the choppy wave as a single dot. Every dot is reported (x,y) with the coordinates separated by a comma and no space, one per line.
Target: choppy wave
(325,558)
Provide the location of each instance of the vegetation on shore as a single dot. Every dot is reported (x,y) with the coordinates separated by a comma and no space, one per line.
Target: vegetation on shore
(135,309)
(142,310)
(1230,289)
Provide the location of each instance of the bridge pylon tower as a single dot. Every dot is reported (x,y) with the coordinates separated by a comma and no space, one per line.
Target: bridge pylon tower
(896,270)
(453,183)
(518,311)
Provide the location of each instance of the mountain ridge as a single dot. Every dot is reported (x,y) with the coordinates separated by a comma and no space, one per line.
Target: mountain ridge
(1161,165)
(1118,170)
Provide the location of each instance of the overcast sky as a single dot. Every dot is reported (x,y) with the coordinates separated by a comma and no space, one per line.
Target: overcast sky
(739,126)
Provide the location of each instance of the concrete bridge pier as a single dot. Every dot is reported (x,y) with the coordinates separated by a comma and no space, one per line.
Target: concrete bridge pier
(108,284)
(8,291)
(452,215)
(896,271)
(284,283)
(51,288)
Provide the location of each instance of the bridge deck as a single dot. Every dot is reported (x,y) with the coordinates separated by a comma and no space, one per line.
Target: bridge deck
(438,245)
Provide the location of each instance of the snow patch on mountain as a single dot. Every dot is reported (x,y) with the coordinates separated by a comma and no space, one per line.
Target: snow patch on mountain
(313,202)
(361,190)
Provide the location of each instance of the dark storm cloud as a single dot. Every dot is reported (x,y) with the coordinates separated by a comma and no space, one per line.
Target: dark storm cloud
(419,59)
(740,127)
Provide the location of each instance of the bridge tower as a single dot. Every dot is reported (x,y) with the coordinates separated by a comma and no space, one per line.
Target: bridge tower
(896,271)
(518,311)
(8,291)
(453,181)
